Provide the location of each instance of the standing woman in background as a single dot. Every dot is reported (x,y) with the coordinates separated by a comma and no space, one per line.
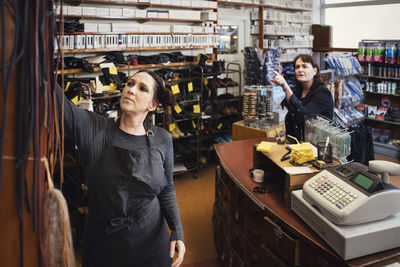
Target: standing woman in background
(129,164)
(309,97)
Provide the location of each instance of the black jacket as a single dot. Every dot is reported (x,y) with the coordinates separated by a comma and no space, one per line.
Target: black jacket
(318,101)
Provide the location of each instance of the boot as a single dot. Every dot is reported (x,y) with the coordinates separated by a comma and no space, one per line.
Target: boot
(174,134)
(178,131)
(202,60)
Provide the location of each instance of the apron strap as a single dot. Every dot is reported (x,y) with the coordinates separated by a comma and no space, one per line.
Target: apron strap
(150,132)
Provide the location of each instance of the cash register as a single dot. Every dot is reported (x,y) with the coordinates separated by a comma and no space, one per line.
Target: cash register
(353,209)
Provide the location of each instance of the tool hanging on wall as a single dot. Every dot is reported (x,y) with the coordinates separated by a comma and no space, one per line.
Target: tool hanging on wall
(57,238)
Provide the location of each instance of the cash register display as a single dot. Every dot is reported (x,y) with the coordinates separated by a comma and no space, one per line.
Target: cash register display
(363,181)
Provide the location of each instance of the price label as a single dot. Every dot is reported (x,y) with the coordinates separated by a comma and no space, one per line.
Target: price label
(177,108)
(194,124)
(172,127)
(112,86)
(113,70)
(75,100)
(205,81)
(190,87)
(175,89)
(220,126)
(202,126)
(196,108)
(66,87)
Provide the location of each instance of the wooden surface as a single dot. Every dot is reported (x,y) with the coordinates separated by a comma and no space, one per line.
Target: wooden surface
(9,222)
(241,131)
(238,169)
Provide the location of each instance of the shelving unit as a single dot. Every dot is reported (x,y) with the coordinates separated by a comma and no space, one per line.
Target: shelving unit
(230,3)
(214,125)
(373,98)
(262,21)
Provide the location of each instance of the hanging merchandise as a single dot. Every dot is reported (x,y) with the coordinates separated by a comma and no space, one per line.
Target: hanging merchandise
(344,65)
(271,63)
(390,53)
(253,73)
(352,93)
(318,129)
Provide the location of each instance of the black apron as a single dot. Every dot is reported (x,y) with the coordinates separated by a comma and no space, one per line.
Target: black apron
(125,224)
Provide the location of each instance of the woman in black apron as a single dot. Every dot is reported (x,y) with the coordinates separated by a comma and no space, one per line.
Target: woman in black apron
(130,186)
(309,97)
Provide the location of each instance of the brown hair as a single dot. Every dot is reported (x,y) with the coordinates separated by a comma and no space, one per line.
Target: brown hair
(162,95)
(309,59)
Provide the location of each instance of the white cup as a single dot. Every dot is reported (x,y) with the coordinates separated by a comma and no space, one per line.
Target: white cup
(258,176)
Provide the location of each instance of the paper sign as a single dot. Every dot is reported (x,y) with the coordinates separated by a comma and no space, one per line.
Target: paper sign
(190,87)
(113,70)
(177,108)
(112,86)
(297,170)
(175,89)
(75,100)
(66,87)
(196,108)
(172,127)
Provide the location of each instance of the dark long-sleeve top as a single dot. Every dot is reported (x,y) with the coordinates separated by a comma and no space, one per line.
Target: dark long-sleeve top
(317,101)
(91,133)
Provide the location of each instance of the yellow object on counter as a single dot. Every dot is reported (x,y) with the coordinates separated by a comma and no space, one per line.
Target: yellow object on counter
(302,153)
(265,147)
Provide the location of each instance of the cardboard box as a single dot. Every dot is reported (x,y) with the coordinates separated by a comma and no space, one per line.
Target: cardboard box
(128,12)
(181,28)
(140,13)
(74,10)
(322,35)
(116,13)
(90,27)
(103,12)
(89,11)
(152,14)
(104,27)
(163,14)
(241,131)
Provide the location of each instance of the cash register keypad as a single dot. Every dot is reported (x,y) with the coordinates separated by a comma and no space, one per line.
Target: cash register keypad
(335,193)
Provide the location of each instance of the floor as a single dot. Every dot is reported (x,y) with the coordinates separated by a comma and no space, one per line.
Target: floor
(195,200)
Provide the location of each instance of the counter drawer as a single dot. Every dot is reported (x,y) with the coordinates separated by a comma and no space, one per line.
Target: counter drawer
(281,242)
(310,257)
(254,212)
(253,233)
(269,258)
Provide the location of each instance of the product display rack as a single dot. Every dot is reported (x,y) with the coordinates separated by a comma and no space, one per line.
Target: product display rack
(181,152)
(217,128)
(374,99)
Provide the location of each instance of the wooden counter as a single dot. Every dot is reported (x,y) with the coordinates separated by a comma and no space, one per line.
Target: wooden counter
(252,229)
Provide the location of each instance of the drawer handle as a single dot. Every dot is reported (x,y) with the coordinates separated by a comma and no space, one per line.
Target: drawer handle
(236,216)
(218,168)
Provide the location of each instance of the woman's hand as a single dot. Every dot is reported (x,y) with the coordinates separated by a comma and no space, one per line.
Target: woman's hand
(180,246)
(279,80)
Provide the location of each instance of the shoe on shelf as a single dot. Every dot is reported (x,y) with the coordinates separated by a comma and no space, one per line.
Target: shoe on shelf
(226,111)
(179,132)
(174,134)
